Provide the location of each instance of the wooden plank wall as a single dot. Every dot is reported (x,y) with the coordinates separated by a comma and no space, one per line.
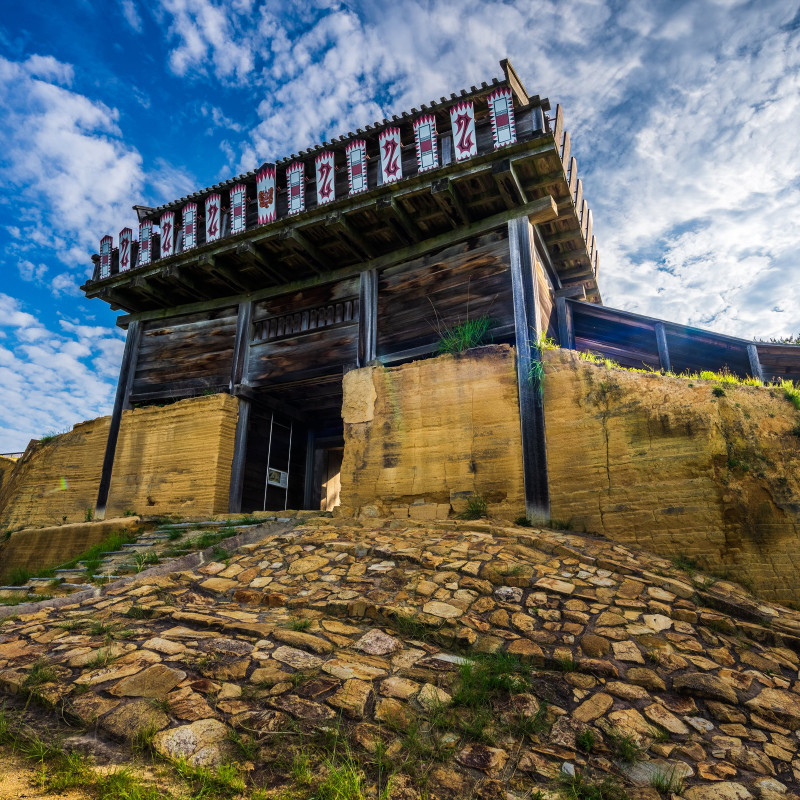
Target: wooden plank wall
(548,319)
(418,299)
(185,355)
(779,362)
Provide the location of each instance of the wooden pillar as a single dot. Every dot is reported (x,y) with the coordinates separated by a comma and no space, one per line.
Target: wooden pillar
(241,350)
(531,401)
(755,362)
(663,350)
(367,317)
(566,331)
(127,372)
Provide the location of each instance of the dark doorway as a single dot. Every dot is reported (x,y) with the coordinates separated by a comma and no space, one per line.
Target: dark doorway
(295,444)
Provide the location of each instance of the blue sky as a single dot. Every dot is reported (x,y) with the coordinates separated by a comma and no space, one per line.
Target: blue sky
(684,118)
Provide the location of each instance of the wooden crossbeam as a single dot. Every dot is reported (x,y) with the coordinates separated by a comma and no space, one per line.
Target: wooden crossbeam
(316,260)
(403,223)
(508,184)
(449,201)
(566,146)
(210,264)
(339,224)
(248,252)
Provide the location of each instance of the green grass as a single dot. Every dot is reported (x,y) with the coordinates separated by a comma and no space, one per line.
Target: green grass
(625,747)
(586,740)
(718,391)
(137,612)
(486,676)
(298,624)
(18,576)
(523,522)
(791,392)
(222,782)
(41,672)
(477,508)
(577,787)
(464,335)
(667,782)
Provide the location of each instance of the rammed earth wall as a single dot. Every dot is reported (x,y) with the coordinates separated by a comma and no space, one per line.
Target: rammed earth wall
(423,437)
(175,459)
(664,464)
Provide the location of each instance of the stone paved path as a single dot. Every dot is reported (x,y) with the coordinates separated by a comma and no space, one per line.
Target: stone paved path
(368,623)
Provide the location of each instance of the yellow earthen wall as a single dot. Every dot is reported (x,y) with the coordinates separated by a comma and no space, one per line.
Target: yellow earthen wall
(661,463)
(175,459)
(422,437)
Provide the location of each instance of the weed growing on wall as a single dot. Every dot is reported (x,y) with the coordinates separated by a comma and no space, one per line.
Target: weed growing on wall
(476,508)
(465,335)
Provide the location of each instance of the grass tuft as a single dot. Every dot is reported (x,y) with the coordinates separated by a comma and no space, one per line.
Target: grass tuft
(465,335)
(477,508)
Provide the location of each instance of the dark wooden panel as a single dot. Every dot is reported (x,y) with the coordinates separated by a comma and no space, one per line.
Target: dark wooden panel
(418,299)
(190,352)
(306,298)
(631,345)
(688,354)
(548,320)
(779,362)
(308,355)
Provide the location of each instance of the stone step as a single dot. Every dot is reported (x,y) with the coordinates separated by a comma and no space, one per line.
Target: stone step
(43,580)
(70,571)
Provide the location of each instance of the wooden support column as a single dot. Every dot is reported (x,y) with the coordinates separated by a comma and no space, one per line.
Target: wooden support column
(127,372)
(531,401)
(367,317)
(663,350)
(755,362)
(238,372)
(566,331)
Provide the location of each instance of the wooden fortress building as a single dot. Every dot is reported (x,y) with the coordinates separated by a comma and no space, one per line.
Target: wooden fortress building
(272,285)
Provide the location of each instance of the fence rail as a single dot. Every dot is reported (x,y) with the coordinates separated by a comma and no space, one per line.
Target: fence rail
(634,340)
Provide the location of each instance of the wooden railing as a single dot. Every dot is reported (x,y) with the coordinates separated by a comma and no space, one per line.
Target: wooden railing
(633,340)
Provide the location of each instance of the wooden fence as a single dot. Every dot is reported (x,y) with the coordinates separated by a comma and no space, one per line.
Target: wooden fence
(634,340)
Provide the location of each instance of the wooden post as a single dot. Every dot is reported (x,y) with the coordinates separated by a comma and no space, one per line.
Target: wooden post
(531,404)
(238,371)
(367,317)
(755,362)
(663,350)
(127,371)
(566,332)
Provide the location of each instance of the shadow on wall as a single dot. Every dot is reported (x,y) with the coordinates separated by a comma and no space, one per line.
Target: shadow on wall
(685,468)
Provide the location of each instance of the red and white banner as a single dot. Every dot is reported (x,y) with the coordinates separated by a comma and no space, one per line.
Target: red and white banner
(391,155)
(326,184)
(189,226)
(462,121)
(425,139)
(265,188)
(125,249)
(145,242)
(501,110)
(106,243)
(168,234)
(296,187)
(238,208)
(213,217)
(357,165)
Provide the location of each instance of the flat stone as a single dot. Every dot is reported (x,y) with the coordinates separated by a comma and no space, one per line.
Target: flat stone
(657,622)
(490,760)
(627,651)
(300,708)
(345,669)
(269,674)
(352,698)
(776,704)
(610,619)
(752,760)
(658,714)
(401,688)
(89,707)
(595,646)
(632,723)
(130,719)
(377,643)
(203,743)
(526,650)
(218,585)
(443,610)
(509,594)
(708,687)
(645,771)
(642,676)
(307,564)
(430,697)
(726,790)
(589,710)
(394,713)
(159,645)
(156,682)
(298,659)
(188,705)
(226,646)
(305,640)
(555,585)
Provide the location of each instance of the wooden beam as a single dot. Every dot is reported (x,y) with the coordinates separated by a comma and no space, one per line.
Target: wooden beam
(514,83)
(531,401)
(663,349)
(558,127)
(755,362)
(508,184)
(573,292)
(241,347)
(537,211)
(248,252)
(173,275)
(355,241)
(566,329)
(573,176)
(239,456)
(127,371)
(448,199)
(566,147)
(367,317)
(210,264)
(317,261)
(403,218)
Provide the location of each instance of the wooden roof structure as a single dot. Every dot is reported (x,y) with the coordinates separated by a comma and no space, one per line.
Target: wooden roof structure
(518,163)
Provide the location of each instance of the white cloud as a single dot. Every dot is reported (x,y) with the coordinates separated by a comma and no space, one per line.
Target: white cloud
(29,271)
(131,14)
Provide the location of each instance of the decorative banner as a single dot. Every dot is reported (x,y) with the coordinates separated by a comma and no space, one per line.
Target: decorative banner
(391,155)
(501,109)
(265,187)
(326,188)
(189,226)
(145,239)
(462,121)
(125,239)
(357,165)
(213,217)
(106,243)
(167,234)
(238,208)
(425,138)
(296,187)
